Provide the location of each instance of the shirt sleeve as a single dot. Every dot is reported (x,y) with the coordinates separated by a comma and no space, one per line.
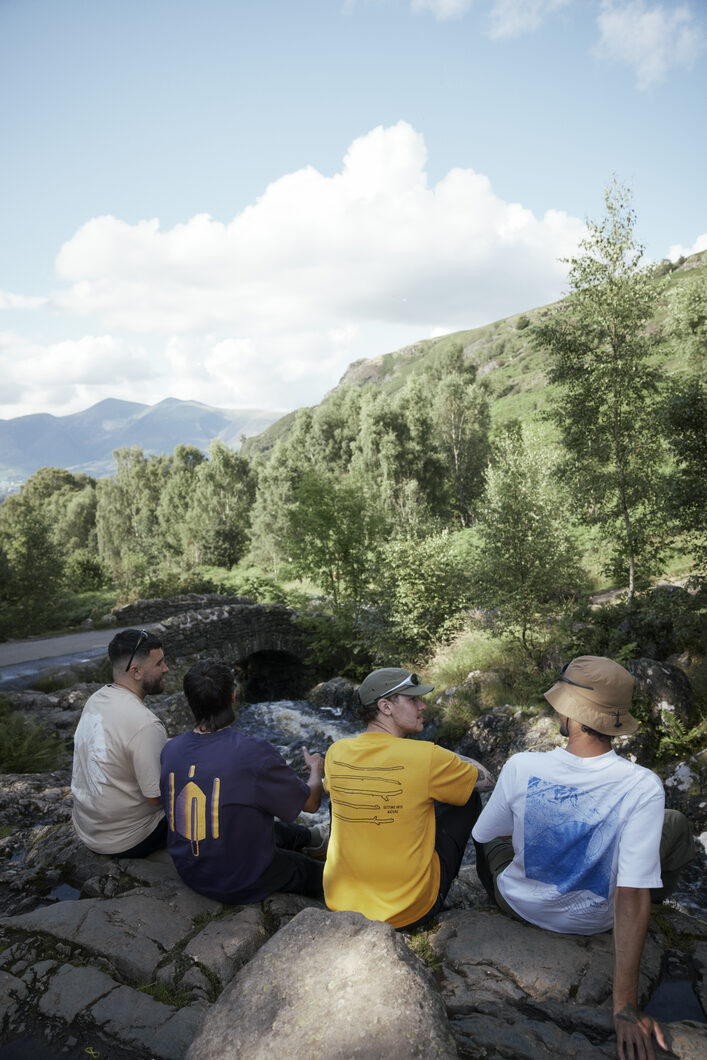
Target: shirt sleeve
(278,789)
(496,818)
(451,779)
(146,749)
(639,842)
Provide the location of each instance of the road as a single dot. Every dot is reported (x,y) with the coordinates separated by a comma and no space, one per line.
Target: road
(22,660)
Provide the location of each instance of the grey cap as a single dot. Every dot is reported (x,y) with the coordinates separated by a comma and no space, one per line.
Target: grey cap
(391,681)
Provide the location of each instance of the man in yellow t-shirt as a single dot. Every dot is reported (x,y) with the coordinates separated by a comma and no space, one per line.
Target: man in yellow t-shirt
(401,810)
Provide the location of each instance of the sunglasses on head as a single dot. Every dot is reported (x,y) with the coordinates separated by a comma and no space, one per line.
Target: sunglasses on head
(408,682)
(142,635)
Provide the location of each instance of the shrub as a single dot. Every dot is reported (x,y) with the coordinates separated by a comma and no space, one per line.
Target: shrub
(24,745)
(84,572)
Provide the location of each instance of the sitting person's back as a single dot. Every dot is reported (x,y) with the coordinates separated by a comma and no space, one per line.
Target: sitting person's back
(222,789)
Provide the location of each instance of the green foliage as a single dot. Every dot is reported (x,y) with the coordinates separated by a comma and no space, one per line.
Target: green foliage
(522,322)
(686,321)
(166,994)
(527,567)
(341,642)
(656,624)
(606,408)
(24,746)
(333,534)
(84,572)
(422,588)
(32,565)
(419,943)
(684,420)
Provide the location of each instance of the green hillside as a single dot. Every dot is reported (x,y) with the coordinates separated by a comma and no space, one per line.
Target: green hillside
(513,370)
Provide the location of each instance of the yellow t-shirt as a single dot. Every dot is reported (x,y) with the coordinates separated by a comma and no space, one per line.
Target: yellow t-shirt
(381,859)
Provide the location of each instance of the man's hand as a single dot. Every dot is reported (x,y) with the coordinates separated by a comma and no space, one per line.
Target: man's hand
(634,1034)
(315,764)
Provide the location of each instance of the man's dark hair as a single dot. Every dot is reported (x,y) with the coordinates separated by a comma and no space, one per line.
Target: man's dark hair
(600,735)
(366,712)
(137,643)
(208,686)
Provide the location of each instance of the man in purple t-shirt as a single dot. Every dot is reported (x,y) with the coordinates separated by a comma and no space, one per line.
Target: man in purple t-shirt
(221,791)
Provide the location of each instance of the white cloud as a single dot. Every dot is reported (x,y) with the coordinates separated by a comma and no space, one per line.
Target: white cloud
(511,18)
(8,300)
(269,309)
(443,9)
(651,39)
(678,251)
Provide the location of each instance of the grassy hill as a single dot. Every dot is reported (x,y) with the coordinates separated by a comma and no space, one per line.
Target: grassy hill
(504,355)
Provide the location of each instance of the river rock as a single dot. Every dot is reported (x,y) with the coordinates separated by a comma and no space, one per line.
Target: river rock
(329,985)
(337,694)
(666,688)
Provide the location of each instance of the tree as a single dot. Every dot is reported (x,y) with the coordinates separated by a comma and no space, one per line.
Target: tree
(461,413)
(422,587)
(684,418)
(527,562)
(607,391)
(334,533)
(686,319)
(33,564)
(218,518)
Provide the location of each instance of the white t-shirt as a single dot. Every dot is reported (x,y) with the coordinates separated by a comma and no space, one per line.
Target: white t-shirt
(580,827)
(117,747)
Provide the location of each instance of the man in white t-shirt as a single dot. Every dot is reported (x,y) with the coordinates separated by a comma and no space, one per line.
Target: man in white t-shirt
(588,835)
(115,781)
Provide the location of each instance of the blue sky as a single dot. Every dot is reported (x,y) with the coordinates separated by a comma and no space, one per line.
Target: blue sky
(230,201)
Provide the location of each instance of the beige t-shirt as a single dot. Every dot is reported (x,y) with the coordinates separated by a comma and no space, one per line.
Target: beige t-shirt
(117,748)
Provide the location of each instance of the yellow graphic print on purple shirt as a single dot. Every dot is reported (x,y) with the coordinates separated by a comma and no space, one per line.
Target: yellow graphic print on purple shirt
(187,812)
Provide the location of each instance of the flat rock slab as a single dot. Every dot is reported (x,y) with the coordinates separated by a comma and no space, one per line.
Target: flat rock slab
(518,961)
(328,985)
(226,945)
(134,1018)
(134,931)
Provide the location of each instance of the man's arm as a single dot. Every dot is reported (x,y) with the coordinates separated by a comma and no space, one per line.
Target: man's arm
(316,769)
(485,780)
(154,802)
(634,1029)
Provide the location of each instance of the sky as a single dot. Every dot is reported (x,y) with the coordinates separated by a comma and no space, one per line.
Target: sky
(229,202)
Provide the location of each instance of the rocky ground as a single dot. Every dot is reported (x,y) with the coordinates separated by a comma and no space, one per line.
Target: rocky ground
(118,960)
(141,966)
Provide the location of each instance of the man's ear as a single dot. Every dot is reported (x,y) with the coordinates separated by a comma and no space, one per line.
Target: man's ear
(384,706)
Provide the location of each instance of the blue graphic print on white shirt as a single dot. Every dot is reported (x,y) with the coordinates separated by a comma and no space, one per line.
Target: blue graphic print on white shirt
(569,842)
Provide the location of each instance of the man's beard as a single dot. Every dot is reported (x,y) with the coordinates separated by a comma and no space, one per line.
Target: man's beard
(153,686)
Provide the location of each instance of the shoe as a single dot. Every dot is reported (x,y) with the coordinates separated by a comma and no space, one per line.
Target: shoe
(318,843)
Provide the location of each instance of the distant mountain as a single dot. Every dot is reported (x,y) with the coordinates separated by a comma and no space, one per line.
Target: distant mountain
(84,441)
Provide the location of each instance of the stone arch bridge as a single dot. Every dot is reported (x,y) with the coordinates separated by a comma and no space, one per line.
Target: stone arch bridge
(261,641)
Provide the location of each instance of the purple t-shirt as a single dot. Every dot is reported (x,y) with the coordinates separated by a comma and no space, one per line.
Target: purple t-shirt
(220,793)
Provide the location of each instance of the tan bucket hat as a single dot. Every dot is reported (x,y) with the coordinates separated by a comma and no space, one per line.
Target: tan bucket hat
(596,692)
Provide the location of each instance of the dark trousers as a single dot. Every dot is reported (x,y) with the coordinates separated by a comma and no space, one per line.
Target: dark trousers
(454,825)
(290,870)
(156,840)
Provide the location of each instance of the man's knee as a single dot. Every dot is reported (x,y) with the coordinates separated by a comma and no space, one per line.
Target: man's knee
(677,846)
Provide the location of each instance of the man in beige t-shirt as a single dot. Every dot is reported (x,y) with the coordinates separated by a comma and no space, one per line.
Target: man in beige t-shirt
(115,781)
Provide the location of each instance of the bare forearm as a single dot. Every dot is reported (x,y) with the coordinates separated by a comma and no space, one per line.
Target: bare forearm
(632,910)
(315,793)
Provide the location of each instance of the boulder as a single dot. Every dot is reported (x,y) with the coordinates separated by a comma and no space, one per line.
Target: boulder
(331,985)
(666,688)
(338,695)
